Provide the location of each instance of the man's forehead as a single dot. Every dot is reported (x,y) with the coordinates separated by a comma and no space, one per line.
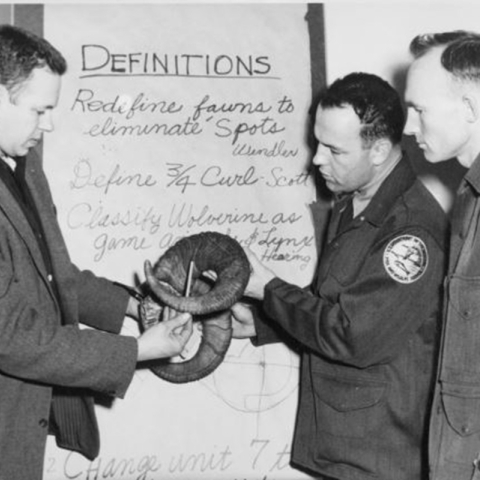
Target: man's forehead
(428,63)
(344,111)
(428,74)
(335,123)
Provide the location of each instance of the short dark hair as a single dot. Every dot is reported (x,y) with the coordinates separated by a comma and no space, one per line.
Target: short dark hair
(21,52)
(461,56)
(376,103)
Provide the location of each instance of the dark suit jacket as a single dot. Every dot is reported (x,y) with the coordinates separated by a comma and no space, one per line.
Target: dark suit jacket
(41,344)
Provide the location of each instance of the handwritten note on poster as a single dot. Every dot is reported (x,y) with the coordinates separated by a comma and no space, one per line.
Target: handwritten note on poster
(176,119)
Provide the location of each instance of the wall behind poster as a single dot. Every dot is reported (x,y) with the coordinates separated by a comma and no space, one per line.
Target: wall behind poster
(176,119)
(374,36)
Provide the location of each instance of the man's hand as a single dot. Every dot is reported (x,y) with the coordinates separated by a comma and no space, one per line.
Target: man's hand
(260,275)
(242,321)
(167,338)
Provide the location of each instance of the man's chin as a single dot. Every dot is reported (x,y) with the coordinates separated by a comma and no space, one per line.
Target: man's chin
(332,187)
(21,152)
(432,157)
(436,159)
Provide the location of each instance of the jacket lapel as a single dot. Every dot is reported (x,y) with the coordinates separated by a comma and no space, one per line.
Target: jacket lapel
(12,210)
(60,258)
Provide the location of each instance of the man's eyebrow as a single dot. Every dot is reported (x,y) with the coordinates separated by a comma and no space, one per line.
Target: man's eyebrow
(330,145)
(411,103)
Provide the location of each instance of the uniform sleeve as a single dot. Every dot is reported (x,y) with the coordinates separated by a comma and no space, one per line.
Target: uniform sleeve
(365,320)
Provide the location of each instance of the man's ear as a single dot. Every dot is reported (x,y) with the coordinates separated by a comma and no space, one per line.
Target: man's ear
(380,151)
(472,107)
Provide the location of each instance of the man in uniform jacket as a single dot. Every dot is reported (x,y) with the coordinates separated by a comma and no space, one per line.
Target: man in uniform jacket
(367,327)
(443,98)
(49,367)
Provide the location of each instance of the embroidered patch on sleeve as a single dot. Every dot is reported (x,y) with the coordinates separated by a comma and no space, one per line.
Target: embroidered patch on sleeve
(405,258)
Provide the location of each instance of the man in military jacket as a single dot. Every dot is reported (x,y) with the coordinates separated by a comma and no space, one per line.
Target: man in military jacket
(368,325)
(443,99)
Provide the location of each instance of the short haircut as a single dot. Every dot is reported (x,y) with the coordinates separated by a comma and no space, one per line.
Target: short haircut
(461,56)
(21,52)
(376,103)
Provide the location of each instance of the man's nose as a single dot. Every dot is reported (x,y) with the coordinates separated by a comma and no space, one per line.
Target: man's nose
(321,156)
(46,122)
(411,125)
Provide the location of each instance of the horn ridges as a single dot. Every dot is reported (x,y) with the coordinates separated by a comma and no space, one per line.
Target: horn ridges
(210,251)
(209,302)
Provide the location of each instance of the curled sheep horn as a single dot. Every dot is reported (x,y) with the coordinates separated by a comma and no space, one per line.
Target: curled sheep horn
(209,252)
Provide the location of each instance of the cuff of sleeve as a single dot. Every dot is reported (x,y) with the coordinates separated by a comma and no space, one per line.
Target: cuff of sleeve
(272,284)
(119,307)
(264,325)
(125,364)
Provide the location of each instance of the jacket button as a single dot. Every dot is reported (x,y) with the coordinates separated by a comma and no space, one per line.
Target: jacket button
(465,429)
(43,422)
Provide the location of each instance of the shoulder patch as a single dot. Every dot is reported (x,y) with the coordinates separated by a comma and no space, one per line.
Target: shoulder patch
(405,258)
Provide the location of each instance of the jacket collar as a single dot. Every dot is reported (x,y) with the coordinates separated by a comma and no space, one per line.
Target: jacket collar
(400,179)
(473,175)
(12,210)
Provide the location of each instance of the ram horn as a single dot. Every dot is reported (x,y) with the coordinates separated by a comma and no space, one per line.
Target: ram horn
(209,301)
(209,252)
(216,334)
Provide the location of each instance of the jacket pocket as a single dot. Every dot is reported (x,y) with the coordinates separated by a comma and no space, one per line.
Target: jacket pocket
(462,408)
(348,406)
(348,260)
(461,364)
(463,296)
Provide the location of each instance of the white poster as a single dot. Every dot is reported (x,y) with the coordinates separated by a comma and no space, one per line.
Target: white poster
(177,119)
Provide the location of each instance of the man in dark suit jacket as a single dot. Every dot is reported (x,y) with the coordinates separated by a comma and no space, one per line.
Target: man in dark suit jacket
(48,365)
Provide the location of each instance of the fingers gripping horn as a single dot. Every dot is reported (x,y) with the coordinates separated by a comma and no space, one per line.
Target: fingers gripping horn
(209,300)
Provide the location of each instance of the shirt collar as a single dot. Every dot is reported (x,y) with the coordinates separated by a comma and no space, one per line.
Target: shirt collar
(9,161)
